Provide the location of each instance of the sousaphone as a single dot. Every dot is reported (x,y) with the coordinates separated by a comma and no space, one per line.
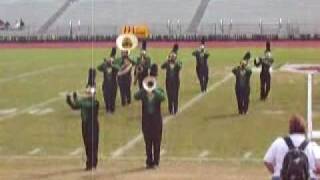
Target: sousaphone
(127,42)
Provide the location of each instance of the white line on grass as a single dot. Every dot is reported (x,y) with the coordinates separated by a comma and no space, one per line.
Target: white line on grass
(247,155)
(76,152)
(24,75)
(26,110)
(163,152)
(34,151)
(203,154)
(121,150)
(7,111)
(45,111)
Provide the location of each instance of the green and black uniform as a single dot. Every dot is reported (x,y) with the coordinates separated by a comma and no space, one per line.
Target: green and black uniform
(242,87)
(265,77)
(145,64)
(151,123)
(89,107)
(172,84)
(124,82)
(109,85)
(202,68)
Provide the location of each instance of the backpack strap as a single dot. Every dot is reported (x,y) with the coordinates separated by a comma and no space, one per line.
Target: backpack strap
(303,145)
(289,142)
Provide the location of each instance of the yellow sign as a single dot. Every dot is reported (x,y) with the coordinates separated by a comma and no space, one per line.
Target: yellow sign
(141,31)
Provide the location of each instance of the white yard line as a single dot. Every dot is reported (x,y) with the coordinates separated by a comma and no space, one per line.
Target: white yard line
(34,151)
(76,152)
(7,111)
(32,73)
(121,150)
(204,154)
(163,152)
(247,155)
(28,109)
(45,111)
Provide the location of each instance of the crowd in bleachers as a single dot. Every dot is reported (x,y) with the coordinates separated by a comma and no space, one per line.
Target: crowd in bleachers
(5,25)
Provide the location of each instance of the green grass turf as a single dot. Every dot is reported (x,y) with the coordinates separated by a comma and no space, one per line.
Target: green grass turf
(211,124)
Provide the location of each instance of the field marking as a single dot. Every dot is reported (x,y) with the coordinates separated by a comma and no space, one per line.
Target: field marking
(76,152)
(247,155)
(32,73)
(134,158)
(204,154)
(7,111)
(121,150)
(45,111)
(163,152)
(34,151)
(28,109)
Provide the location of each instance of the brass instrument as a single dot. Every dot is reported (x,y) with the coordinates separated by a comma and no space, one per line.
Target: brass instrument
(127,42)
(149,84)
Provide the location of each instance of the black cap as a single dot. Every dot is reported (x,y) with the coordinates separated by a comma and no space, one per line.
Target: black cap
(175,48)
(113,52)
(144,45)
(154,70)
(247,56)
(268,46)
(91,78)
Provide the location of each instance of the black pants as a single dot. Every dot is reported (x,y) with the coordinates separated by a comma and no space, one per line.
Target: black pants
(202,73)
(172,88)
(243,99)
(90,135)
(265,79)
(152,133)
(125,89)
(109,95)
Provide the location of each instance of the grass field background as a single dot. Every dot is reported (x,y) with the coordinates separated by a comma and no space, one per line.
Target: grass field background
(35,79)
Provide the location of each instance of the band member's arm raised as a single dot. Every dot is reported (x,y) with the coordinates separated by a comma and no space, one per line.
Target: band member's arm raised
(179,65)
(74,105)
(257,64)
(138,95)
(194,53)
(206,54)
(102,67)
(164,65)
(235,70)
(249,72)
(160,94)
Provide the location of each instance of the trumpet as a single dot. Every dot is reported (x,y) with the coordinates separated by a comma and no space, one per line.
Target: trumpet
(149,84)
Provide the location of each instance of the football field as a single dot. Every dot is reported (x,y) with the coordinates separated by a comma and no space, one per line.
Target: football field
(40,136)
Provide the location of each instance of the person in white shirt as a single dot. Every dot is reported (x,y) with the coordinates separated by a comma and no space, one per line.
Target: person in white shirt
(274,157)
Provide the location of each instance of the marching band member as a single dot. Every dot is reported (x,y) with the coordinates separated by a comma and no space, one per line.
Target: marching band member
(89,107)
(142,65)
(265,77)
(124,77)
(151,97)
(202,69)
(109,85)
(242,88)
(172,67)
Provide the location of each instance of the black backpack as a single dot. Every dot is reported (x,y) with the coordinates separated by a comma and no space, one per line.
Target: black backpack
(295,165)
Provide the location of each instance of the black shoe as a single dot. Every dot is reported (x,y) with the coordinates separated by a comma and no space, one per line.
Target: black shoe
(150,166)
(88,169)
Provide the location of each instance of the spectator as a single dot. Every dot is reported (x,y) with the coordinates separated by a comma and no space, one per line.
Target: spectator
(276,153)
